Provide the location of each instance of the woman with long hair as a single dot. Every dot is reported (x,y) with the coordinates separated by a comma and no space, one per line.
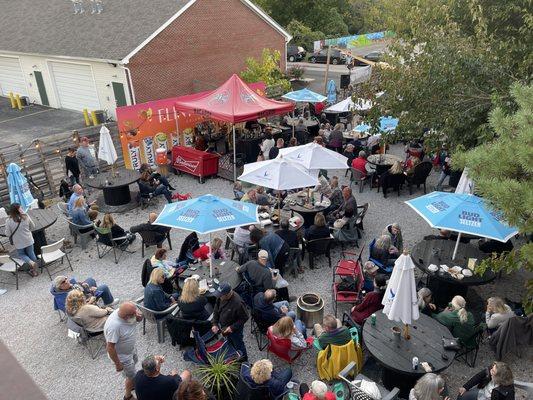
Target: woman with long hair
(285,328)
(459,321)
(80,216)
(205,251)
(90,316)
(383,251)
(155,297)
(429,387)
(18,230)
(497,313)
(191,302)
(424,302)
(395,233)
(319,229)
(159,260)
(493,383)
(108,222)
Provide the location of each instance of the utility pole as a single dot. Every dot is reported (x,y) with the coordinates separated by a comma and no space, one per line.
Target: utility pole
(327,71)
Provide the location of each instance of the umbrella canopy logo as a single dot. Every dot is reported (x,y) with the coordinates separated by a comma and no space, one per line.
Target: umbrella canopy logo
(220,98)
(437,207)
(248,98)
(470,218)
(188,216)
(223,215)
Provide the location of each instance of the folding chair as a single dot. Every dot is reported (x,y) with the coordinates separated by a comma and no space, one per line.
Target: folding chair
(281,347)
(347,273)
(468,354)
(158,318)
(12,266)
(203,352)
(151,238)
(53,253)
(63,208)
(354,390)
(245,391)
(83,232)
(318,247)
(85,337)
(258,328)
(105,243)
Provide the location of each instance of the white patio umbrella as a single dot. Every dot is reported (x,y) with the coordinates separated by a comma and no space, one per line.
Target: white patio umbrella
(313,156)
(106,148)
(348,105)
(400,299)
(466,184)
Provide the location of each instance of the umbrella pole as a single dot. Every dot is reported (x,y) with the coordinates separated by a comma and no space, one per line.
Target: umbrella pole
(293,123)
(456,246)
(210,258)
(234,156)
(406,334)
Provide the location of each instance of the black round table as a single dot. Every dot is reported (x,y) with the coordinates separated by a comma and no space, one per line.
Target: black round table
(308,213)
(42,219)
(224,271)
(116,190)
(439,252)
(396,356)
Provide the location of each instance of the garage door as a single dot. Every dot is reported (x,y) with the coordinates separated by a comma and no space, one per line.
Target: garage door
(11,77)
(75,86)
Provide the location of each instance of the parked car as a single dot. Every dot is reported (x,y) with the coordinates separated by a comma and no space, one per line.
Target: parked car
(375,56)
(295,53)
(335,57)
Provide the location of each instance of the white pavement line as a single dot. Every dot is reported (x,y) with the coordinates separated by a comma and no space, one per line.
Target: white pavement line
(27,115)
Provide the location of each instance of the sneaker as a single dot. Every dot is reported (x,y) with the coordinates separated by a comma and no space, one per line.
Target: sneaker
(114,303)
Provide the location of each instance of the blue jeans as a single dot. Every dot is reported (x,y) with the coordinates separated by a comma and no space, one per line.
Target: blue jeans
(299,324)
(27,254)
(162,189)
(104,292)
(442,178)
(237,341)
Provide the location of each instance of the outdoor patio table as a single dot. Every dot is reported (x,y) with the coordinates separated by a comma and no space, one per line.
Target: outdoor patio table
(224,272)
(396,356)
(439,252)
(308,122)
(115,189)
(308,212)
(42,219)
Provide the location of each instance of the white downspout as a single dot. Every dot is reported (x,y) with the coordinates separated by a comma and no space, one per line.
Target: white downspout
(130,84)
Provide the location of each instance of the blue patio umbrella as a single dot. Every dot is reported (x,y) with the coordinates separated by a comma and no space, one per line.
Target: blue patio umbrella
(304,96)
(362,128)
(463,213)
(331,91)
(387,124)
(19,190)
(207,214)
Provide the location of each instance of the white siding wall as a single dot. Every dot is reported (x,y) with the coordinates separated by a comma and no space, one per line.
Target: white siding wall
(103,73)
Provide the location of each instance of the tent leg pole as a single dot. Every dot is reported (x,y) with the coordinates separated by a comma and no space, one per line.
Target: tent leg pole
(234,156)
(456,246)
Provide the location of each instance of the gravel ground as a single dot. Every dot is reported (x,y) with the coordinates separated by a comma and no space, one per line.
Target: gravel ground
(61,367)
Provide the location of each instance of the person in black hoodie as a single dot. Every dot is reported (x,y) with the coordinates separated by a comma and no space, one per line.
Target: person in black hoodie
(271,311)
(72,166)
(493,383)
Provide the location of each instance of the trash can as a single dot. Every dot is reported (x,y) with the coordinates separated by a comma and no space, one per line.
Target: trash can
(194,162)
(310,309)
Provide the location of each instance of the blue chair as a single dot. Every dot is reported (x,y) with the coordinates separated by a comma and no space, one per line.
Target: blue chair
(60,298)
(385,269)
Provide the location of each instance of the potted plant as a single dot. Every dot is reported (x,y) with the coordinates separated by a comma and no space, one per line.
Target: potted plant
(219,377)
(295,75)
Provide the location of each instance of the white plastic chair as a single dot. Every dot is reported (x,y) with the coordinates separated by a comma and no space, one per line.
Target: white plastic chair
(11,265)
(53,253)
(63,207)
(159,318)
(3,217)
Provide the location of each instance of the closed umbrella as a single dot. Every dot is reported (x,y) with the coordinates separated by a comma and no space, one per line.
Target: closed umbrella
(19,189)
(463,213)
(400,299)
(207,214)
(331,92)
(465,185)
(314,156)
(106,148)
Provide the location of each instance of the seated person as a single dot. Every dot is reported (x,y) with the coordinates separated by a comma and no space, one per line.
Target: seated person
(159,260)
(349,154)
(78,192)
(383,251)
(241,236)
(318,230)
(89,287)
(155,176)
(270,310)
(108,222)
(359,163)
(262,374)
(93,216)
(371,302)
(497,313)
(445,234)
(323,186)
(392,176)
(191,390)
(395,233)
(80,216)
(160,231)
(193,304)
(155,297)
(278,250)
(331,332)
(459,321)
(150,384)
(490,246)
(348,201)
(317,391)
(341,223)
(335,198)
(203,252)
(289,236)
(237,190)
(429,386)
(285,328)
(148,186)
(424,302)
(410,165)
(370,270)
(90,316)
(493,383)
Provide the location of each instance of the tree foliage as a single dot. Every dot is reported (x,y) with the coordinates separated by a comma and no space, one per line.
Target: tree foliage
(502,170)
(303,35)
(266,70)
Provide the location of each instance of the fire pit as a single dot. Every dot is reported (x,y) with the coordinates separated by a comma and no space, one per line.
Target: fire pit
(310,309)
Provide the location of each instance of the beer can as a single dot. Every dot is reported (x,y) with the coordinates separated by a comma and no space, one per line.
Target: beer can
(134,152)
(161,140)
(415,362)
(175,139)
(148,147)
(373,319)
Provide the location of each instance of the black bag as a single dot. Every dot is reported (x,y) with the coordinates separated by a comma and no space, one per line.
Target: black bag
(348,284)
(451,344)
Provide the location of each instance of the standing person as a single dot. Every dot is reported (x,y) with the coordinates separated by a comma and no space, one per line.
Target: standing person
(18,231)
(274,151)
(151,384)
(120,332)
(88,163)
(72,166)
(493,383)
(229,317)
(266,145)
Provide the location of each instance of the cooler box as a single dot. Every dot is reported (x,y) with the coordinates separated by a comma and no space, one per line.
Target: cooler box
(194,162)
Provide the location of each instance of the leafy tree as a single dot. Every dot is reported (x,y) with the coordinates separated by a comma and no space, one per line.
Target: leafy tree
(303,35)
(502,170)
(267,70)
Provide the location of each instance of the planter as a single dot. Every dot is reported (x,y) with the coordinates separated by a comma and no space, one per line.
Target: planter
(298,84)
(310,309)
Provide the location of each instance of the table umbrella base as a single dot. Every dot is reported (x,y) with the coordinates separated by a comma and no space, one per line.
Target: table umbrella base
(106,208)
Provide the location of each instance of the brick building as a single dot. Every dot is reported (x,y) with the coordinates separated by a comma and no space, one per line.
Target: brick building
(133,51)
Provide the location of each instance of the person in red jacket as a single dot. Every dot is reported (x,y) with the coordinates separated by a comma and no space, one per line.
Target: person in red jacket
(202,252)
(317,391)
(359,163)
(372,301)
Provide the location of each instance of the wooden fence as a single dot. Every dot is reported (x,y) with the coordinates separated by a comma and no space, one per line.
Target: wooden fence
(44,159)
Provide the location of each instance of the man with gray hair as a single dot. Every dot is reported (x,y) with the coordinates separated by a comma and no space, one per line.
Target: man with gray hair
(150,384)
(77,192)
(331,332)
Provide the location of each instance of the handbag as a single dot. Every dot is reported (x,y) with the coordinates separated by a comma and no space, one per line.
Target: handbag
(13,233)
(451,344)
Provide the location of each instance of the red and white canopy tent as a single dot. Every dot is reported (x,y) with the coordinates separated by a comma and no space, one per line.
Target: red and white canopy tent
(234,101)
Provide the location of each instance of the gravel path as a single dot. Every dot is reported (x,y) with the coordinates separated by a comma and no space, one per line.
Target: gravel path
(61,367)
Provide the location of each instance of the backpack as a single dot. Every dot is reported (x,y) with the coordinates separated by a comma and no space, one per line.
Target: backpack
(348,284)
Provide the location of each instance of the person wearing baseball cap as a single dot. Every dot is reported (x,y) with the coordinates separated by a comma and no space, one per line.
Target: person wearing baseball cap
(87,162)
(229,317)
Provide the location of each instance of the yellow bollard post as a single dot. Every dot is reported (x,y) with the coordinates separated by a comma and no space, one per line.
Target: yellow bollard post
(12,100)
(86,117)
(19,102)
(93,116)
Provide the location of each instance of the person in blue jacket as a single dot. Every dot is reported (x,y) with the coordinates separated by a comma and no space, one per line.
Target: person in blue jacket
(155,297)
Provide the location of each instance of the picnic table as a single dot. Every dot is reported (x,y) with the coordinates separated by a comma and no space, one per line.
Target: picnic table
(42,219)
(115,189)
(396,356)
(439,252)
